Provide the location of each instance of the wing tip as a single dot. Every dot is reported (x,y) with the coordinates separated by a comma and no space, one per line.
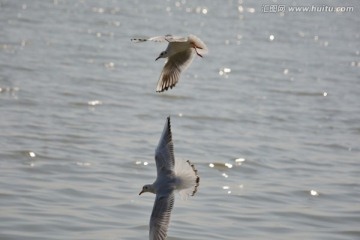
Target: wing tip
(163,86)
(169,124)
(137,40)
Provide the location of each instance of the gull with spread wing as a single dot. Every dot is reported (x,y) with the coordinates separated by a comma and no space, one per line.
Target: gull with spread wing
(170,177)
(179,53)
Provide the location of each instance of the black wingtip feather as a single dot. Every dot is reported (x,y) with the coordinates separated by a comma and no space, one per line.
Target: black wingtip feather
(169,124)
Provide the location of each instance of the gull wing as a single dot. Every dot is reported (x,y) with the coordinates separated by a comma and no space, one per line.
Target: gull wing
(171,38)
(173,67)
(160,216)
(164,153)
(167,38)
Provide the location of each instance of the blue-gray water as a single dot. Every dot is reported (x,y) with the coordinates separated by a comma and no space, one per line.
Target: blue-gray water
(270,117)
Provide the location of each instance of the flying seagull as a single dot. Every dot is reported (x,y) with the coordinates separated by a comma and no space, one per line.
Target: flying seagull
(170,177)
(179,53)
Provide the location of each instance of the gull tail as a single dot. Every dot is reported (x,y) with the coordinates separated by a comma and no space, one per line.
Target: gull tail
(188,179)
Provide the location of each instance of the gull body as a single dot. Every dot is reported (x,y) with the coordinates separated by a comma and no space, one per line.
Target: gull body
(169,178)
(179,53)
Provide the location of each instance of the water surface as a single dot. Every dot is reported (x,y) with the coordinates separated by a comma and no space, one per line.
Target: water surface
(270,117)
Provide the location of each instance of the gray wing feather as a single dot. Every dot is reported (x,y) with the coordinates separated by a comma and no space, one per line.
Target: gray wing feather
(168,38)
(158,39)
(174,66)
(160,216)
(164,153)
(171,38)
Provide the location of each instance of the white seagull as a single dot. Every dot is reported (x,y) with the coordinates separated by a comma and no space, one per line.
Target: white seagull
(170,177)
(179,53)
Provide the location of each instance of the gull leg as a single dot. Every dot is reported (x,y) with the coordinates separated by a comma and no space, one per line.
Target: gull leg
(195,47)
(197,52)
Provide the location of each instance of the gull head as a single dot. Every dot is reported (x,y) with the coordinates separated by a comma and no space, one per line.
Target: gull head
(147,188)
(163,54)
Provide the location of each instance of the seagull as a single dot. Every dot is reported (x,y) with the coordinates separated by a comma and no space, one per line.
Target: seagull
(179,53)
(170,177)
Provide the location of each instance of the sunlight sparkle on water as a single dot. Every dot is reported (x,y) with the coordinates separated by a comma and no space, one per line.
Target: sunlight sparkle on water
(220,166)
(201,10)
(314,193)
(140,162)
(227,188)
(229,165)
(83,164)
(239,161)
(224,71)
(109,65)
(250,10)
(94,102)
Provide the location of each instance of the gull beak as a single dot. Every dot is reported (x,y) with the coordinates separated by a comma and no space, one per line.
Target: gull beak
(141,192)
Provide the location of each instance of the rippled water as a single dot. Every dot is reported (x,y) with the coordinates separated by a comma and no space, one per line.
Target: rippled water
(270,118)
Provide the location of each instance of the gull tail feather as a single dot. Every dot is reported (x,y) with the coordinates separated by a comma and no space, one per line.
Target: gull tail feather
(187,178)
